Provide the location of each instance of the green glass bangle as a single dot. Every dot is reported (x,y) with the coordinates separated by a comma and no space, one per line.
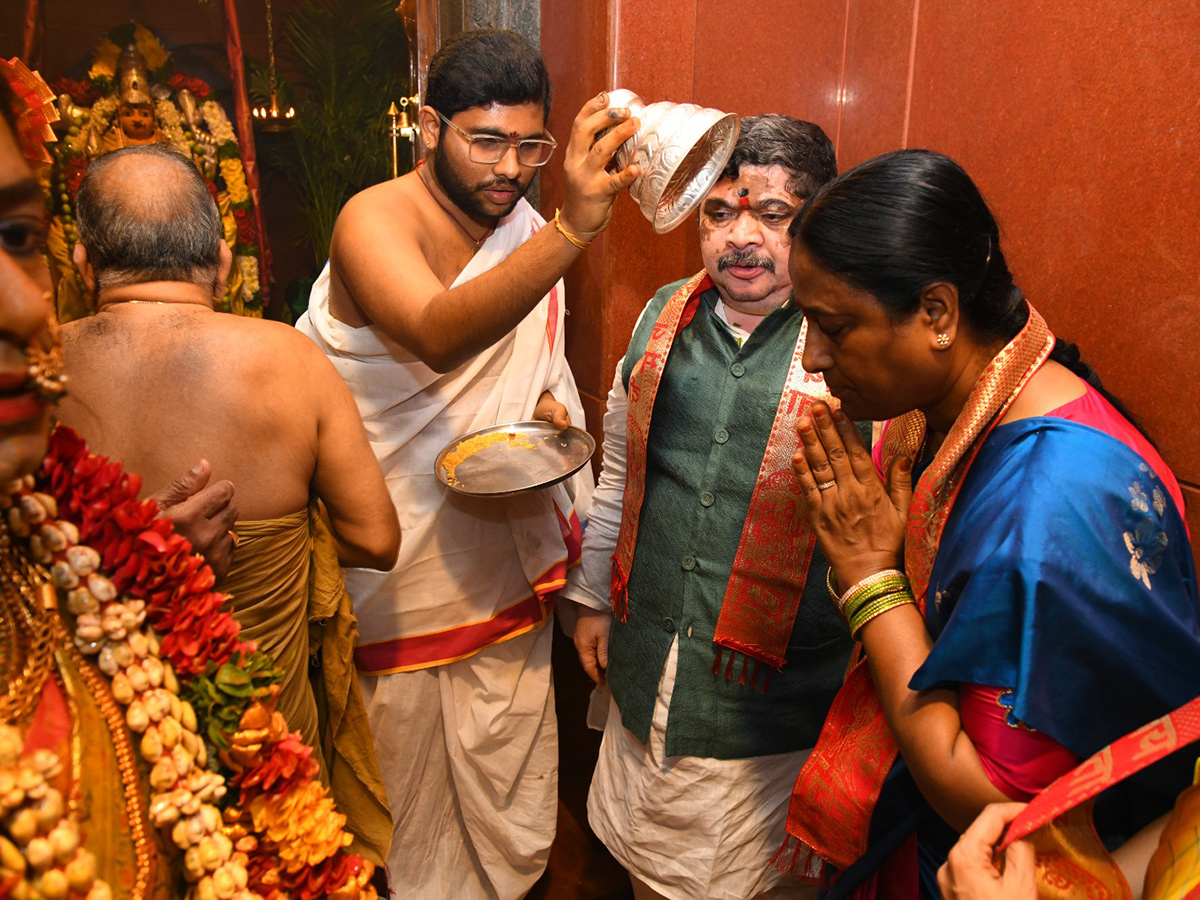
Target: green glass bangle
(877,608)
(880,587)
(865,598)
(867,582)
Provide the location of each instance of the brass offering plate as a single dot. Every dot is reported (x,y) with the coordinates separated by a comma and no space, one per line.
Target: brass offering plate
(504,460)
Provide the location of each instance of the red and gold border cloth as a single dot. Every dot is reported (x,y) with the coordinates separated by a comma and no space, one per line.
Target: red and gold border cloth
(775,551)
(838,786)
(436,648)
(1071,861)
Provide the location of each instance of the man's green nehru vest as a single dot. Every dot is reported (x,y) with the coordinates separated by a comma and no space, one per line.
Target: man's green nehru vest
(712,417)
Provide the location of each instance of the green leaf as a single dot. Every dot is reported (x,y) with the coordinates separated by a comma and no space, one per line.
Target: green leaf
(231,676)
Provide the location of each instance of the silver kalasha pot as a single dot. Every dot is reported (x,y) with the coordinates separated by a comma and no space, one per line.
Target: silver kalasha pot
(682,149)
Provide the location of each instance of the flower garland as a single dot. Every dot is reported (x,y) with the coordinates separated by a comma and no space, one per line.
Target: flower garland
(246,249)
(170,123)
(200,702)
(218,123)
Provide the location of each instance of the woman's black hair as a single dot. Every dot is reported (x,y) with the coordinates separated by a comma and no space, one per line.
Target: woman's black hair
(486,66)
(911,218)
(904,220)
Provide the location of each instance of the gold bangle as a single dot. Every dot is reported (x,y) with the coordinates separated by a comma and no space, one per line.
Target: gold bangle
(582,245)
(831,584)
(878,607)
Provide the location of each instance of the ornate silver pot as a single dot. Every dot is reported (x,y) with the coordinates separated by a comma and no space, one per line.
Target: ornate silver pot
(682,149)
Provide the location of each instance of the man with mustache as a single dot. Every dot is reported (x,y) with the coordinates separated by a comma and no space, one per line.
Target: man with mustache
(701,591)
(443,310)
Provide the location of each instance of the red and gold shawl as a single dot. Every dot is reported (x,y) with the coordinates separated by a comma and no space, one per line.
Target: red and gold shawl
(838,786)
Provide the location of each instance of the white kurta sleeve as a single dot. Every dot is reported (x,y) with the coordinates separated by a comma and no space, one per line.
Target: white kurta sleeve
(589,582)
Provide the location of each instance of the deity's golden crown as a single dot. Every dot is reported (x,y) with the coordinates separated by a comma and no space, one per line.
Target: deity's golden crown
(133,77)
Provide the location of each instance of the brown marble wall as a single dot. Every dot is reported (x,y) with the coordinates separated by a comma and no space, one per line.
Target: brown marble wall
(1079,121)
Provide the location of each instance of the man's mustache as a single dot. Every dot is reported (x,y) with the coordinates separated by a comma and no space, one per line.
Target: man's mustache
(747,260)
(499,182)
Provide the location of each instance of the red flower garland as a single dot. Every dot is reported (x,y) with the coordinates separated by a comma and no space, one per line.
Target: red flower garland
(181,82)
(147,560)
(83,93)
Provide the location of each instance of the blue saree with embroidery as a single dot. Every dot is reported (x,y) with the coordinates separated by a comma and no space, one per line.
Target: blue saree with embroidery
(1065,574)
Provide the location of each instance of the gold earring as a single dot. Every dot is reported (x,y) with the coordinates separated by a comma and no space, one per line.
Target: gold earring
(943,340)
(44,361)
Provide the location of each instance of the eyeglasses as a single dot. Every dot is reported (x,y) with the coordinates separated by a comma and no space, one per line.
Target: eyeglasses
(488,149)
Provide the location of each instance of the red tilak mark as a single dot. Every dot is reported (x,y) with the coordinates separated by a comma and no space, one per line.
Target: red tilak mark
(743,198)
(514,135)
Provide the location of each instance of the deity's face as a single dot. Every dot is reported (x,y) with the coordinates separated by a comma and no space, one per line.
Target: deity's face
(744,241)
(24,311)
(137,121)
(482,190)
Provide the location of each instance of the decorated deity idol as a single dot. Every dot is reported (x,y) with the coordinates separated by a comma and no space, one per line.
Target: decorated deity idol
(135,95)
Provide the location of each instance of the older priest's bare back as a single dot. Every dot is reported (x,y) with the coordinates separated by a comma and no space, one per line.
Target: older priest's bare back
(160,381)
(163,383)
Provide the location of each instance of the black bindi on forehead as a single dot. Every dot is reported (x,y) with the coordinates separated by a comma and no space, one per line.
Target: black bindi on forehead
(744,192)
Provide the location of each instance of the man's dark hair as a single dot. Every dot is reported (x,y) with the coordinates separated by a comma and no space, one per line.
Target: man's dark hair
(798,146)
(479,68)
(153,225)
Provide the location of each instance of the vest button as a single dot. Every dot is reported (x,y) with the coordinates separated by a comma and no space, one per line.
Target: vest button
(669,625)
(721,436)
(737,370)
(689,563)
(707,499)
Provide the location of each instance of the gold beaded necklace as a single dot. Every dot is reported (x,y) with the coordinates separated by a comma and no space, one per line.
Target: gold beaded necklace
(28,639)
(36,643)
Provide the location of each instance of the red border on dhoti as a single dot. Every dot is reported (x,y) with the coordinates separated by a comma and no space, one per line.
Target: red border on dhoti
(435,648)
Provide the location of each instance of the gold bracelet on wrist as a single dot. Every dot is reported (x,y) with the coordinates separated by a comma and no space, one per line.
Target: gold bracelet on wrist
(581,244)
(831,584)
(877,607)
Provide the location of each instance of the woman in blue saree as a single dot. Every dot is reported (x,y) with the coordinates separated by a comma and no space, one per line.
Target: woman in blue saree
(1014,560)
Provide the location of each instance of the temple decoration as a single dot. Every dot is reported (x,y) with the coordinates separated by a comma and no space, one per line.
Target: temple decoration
(133,94)
(35,111)
(401,126)
(272,117)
